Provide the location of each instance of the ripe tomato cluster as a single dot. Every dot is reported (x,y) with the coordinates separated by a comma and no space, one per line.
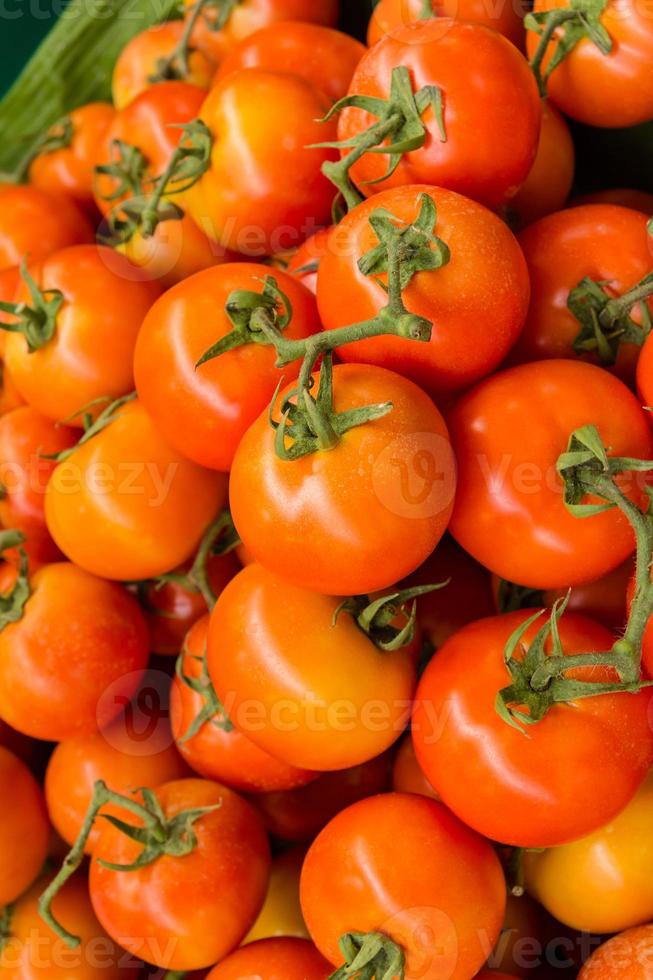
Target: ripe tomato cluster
(326,521)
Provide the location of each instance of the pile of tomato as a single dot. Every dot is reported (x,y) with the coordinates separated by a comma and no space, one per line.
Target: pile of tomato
(326,505)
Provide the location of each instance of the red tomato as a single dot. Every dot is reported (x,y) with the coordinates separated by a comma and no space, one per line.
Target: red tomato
(74,658)
(34,223)
(126,505)
(391,852)
(90,353)
(477,302)
(578,767)
(299,814)
(324,57)
(627,956)
(26,437)
(204,412)
(605,242)
(24,827)
(305,262)
(491,131)
(274,959)
(507,17)
(263,125)
(139,61)
(608,90)
(407,777)
(69,169)
(508,433)
(219,752)
(549,182)
(644,375)
(185,913)
(359,517)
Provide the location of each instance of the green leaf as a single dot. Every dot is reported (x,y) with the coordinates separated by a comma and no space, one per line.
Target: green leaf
(72,66)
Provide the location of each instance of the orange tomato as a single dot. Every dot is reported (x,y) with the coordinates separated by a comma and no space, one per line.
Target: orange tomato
(34,223)
(274,959)
(281,914)
(24,827)
(627,956)
(549,181)
(506,17)
(407,775)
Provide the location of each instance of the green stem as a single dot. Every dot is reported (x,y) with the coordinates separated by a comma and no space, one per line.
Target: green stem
(621,305)
(338,170)
(6,914)
(167,67)
(197,577)
(426,13)
(555,20)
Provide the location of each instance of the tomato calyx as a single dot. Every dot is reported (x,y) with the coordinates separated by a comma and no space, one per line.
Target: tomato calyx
(399,121)
(12,603)
(92,423)
(254,316)
(377,618)
(38,322)
(426,12)
(58,137)
(566,26)
(606,321)
(159,836)
(370,956)
(212,710)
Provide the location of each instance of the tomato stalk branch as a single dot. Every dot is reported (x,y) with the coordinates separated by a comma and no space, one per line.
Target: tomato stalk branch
(219,538)
(606,322)
(212,710)
(581,19)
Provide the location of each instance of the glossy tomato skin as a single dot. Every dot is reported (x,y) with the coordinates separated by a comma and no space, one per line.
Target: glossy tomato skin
(139,59)
(508,433)
(388,485)
(506,18)
(281,914)
(125,505)
(10,397)
(274,959)
(79,648)
(300,814)
(624,957)
(612,90)
(603,241)
(228,756)
(205,901)
(204,412)
(90,355)
(302,698)
(33,952)
(253,15)
(35,223)
(26,437)
(542,790)
(305,262)
(69,170)
(324,57)
(644,377)
(600,883)
(24,827)
(115,755)
(407,776)
(477,302)
(264,125)
(491,140)
(550,179)
(459,909)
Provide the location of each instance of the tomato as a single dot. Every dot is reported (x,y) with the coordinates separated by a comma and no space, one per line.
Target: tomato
(627,956)
(477,302)
(139,60)
(600,883)
(26,437)
(324,57)
(506,18)
(605,242)
(34,223)
(24,827)
(89,355)
(69,169)
(549,182)
(10,398)
(126,505)
(608,90)
(307,715)
(407,777)
(281,914)
(219,751)
(263,125)
(625,197)
(644,375)
(205,412)
(274,959)
(491,131)
(521,943)
(185,913)
(249,16)
(360,516)
(151,122)
(32,950)
(305,262)
(544,789)
(79,640)
(172,608)
(442,921)
(10,281)
(508,433)
(122,758)
(299,814)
